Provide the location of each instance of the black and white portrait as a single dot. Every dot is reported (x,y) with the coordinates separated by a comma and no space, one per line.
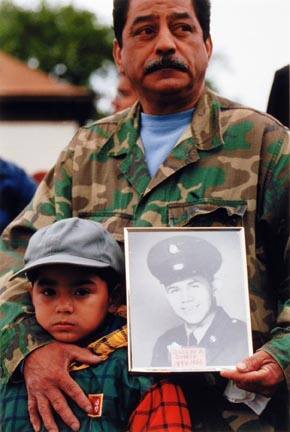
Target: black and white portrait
(187,299)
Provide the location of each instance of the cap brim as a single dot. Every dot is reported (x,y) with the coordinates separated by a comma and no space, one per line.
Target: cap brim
(61,259)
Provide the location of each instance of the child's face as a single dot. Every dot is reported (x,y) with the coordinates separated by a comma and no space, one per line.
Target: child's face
(69,302)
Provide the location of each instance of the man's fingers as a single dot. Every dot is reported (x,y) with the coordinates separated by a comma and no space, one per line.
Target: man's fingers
(248,377)
(33,414)
(249,364)
(49,384)
(71,388)
(58,403)
(83,355)
(230,374)
(46,414)
(253,377)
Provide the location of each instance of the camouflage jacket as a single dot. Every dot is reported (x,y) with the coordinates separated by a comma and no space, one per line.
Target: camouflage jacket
(231,167)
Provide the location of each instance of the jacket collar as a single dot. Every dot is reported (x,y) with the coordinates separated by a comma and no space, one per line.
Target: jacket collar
(205,127)
(204,134)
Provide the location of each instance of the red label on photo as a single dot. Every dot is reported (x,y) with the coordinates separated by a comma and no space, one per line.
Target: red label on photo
(188,357)
(97,404)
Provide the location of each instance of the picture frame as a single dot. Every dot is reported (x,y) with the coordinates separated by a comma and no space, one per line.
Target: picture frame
(187,299)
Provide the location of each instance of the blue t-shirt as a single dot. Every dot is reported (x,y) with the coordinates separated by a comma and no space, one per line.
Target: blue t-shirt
(160,133)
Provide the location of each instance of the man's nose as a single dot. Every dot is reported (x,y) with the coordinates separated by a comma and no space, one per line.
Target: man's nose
(64,305)
(165,44)
(185,295)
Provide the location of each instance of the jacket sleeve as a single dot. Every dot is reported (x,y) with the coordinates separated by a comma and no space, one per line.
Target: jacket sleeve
(51,202)
(273,227)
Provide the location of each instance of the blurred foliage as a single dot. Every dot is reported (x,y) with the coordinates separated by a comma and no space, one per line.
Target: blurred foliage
(64,41)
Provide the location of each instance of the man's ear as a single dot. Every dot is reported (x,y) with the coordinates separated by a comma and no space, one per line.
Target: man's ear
(117,54)
(208,47)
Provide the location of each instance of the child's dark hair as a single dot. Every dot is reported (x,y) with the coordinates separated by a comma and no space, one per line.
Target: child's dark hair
(115,283)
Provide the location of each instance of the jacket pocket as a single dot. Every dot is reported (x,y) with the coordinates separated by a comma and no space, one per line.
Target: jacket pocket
(114,222)
(207,213)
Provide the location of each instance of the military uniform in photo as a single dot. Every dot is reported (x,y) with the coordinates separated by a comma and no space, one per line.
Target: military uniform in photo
(218,339)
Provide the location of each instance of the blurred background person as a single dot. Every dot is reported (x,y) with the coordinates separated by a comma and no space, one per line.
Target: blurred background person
(16,190)
(125,96)
(278,104)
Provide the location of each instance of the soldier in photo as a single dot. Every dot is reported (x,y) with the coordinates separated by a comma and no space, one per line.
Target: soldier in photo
(185,266)
(181,156)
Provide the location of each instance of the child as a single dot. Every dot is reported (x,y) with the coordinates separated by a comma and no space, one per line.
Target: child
(76,269)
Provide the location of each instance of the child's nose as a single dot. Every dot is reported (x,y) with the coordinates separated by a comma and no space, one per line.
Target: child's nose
(64,305)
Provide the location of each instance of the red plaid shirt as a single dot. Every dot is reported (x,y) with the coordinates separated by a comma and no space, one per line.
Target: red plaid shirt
(163,408)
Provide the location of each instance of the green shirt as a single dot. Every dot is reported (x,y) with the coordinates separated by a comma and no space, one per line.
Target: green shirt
(121,391)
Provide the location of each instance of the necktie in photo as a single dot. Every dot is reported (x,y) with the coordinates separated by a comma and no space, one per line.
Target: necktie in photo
(192,341)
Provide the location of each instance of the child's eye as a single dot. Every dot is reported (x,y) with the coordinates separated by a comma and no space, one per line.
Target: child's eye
(81,292)
(48,292)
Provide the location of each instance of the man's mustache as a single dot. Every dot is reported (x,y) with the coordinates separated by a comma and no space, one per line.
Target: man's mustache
(165,63)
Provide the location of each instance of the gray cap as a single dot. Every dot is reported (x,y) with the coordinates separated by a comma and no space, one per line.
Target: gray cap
(180,257)
(73,241)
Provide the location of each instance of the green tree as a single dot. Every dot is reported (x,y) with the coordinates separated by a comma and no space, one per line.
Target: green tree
(64,41)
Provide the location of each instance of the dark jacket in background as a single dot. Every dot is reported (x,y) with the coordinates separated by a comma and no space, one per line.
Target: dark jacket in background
(278,105)
(16,191)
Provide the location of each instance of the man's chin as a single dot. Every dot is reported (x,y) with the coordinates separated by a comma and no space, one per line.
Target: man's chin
(168,91)
(189,321)
(167,83)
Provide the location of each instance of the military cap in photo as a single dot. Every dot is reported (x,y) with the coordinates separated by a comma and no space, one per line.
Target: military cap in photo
(180,257)
(73,241)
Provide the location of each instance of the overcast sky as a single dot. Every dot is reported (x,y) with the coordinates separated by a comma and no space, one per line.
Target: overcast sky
(251,36)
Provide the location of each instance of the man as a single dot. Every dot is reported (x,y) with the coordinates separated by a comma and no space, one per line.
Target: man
(16,191)
(211,337)
(126,95)
(279,98)
(182,156)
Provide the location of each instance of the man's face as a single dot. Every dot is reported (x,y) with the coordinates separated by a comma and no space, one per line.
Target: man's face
(126,95)
(69,302)
(163,52)
(191,299)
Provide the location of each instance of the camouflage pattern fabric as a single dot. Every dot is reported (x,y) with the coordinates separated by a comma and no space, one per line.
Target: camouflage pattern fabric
(230,168)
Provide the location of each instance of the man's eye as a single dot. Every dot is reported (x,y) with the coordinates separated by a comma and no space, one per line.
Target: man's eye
(183,28)
(148,30)
(81,292)
(193,285)
(172,290)
(144,32)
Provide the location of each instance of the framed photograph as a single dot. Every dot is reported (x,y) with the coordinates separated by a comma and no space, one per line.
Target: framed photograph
(187,299)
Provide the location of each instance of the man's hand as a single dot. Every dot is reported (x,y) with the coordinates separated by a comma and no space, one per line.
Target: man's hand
(48,382)
(259,373)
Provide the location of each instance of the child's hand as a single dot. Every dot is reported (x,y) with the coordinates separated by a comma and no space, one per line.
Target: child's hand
(48,382)
(259,373)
